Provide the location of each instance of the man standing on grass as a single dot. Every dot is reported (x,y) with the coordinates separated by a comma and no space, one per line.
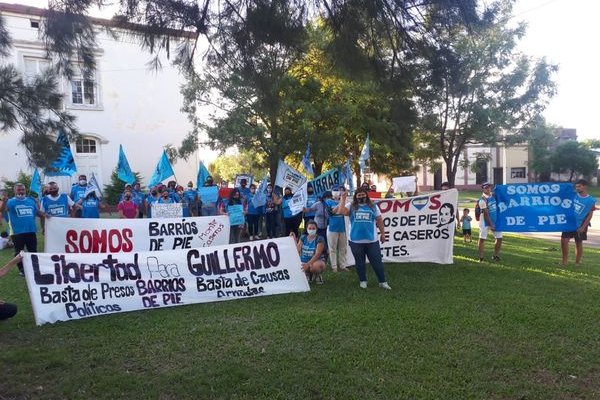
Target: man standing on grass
(489,210)
(584,206)
(22,211)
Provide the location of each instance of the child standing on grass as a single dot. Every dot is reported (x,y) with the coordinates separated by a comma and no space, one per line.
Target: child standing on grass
(465,221)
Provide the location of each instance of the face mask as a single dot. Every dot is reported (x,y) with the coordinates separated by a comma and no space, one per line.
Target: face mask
(269,190)
(127,197)
(361,200)
(311,231)
(336,194)
(190,187)
(20,196)
(154,193)
(82,182)
(53,192)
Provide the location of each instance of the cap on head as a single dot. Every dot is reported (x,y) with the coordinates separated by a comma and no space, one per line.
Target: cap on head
(485,185)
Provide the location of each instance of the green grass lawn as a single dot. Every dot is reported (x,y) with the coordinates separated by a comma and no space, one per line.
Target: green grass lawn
(521,328)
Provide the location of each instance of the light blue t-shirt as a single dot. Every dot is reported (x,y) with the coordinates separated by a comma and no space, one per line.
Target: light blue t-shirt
(336,221)
(492,206)
(254,210)
(90,208)
(310,200)
(309,247)
(582,206)
(56,208)
(285,206)
(466,222)
(362,223)
(78,192)
(21,215)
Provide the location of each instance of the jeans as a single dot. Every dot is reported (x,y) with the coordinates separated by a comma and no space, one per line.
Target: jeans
(25,240)
(373,252)
(253,224)
(235,234)
(209,210)
(271,224)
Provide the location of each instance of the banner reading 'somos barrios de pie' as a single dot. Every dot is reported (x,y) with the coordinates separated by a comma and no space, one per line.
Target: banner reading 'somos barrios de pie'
(419,229)
(64,287)
(76,235)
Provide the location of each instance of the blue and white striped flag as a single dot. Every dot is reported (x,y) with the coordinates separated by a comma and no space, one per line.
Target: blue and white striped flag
(306,161)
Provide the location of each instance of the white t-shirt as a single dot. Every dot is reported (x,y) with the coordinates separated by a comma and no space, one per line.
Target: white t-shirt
(3,243)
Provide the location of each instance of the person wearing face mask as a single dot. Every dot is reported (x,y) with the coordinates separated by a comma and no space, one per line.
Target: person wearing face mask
(56,204)
(336,233)
(271,213)
(165,198)
(364,218)
(138,198)
(291,222)
(320,216)
(191,197)
(22,211)
(235,231)
(311,248)
(152,198)
(253,215)
(311,199)
(78,192)
(127,207)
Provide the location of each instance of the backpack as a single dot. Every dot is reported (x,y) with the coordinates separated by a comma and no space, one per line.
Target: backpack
(478,209)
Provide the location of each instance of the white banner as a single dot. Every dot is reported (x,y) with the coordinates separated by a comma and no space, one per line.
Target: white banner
(289,177)
(78,235)
(65,287)
(167,210)
(404,184)
(418,229)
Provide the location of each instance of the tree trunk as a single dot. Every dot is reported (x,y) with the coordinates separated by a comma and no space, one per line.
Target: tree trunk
(450,172)
(318,168)
(273,165)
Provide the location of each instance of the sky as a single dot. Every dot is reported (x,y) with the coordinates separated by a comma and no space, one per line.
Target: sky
(563,31)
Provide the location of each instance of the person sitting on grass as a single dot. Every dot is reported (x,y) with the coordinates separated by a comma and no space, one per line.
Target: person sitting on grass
(8,310)
(311,247)
(5,241)
(465,222)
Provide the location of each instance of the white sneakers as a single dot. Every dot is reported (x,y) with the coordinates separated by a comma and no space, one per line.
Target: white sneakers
(383,285)
(363,284)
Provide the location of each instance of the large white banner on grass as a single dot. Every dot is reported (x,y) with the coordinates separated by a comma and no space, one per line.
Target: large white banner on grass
(78,235)
(418,229)
(64,287)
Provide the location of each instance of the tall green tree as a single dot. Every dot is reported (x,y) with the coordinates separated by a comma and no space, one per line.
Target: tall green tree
(573,158)
(474,85)
(226,167)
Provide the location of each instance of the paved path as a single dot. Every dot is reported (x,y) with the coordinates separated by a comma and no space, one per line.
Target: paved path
(593,233)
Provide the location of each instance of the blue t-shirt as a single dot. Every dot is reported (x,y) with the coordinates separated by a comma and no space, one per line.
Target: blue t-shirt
(336,221)
(362,223)
(285,206)
(254,210)
(56,208)
(582,206)
(137,197)
(309,247)
(21,215)
(90,208)
(78,192)
(466,222)
(310,200)
(492,207)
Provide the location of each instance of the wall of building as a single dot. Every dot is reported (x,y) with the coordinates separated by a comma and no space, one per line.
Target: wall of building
(135,107)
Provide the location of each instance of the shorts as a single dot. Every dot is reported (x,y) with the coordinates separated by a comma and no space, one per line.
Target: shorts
(579,237)
(483,232)
(467,232)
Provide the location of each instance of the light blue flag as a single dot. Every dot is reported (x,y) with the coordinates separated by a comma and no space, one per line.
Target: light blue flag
(260,197)
(306,161)
(36,183)
(124,172)
(162,171)
(347,171)
(365,154)
(202,175)
(64,165)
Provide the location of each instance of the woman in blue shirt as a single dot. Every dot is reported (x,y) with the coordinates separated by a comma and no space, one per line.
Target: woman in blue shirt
(364,217)
(291,222)
(254,214)
(311,247)
(236,226)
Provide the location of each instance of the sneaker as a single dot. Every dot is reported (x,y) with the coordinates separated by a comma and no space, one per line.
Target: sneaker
(384,285)
(21,273)
(363,284)
(496,258)
(319,279)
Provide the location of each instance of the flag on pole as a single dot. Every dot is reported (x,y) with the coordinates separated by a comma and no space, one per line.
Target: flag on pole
(162,171)
(124,172)
(306,161)
(364,154)
(347,171)
(93,186)
(64,165)
(202,175)
(260,197)
(36,183)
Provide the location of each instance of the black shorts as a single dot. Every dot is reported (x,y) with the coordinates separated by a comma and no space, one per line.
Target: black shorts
(467,232)
(579,237)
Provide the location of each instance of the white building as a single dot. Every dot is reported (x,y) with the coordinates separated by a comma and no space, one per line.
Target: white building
(124,103)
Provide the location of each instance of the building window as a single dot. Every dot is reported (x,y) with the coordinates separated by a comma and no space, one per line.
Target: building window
(34,23)
(516,173)
(83,92)
(85,146)
(33,67)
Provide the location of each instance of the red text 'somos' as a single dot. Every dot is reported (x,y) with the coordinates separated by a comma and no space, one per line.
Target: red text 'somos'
(99,241)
